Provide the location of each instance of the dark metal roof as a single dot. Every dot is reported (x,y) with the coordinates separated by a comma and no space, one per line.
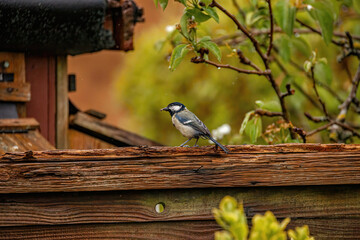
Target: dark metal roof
(56,26)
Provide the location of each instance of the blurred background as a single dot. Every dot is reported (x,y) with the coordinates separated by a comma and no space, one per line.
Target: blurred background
(132,87)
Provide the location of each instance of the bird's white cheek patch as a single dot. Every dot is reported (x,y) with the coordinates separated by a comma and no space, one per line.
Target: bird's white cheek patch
(175,108)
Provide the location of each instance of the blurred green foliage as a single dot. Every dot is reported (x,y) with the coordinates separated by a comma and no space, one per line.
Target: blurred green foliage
(231,217)
(220,96)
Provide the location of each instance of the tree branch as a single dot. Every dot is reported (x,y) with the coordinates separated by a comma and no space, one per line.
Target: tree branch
(239,70)
(242,29)
(317,93)
(268,52)
(341,44)
(351,98)
(319,129)
(315,119)
(246,61)
(263,112)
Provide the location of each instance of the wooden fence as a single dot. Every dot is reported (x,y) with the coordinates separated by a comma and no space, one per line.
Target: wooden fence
(113,194)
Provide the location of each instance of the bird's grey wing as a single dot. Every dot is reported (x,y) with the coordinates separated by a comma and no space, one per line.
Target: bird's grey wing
(190,119)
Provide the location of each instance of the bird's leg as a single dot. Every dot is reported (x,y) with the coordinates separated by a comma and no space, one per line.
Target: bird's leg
(197,139)
(185,142)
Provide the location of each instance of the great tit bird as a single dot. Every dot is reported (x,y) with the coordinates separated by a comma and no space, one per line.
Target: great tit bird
(189,124)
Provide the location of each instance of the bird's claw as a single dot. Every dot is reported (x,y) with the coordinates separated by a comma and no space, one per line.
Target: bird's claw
(185,146)
(196,145)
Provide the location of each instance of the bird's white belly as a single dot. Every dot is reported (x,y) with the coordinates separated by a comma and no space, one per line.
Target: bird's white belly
(186,131)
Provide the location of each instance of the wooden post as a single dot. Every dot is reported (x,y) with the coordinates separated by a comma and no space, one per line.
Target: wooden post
(62,102)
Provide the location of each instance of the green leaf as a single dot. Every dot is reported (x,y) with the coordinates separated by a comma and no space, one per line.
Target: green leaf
(183,2)
(197,14)
(272,106)
(245,122)
(307,66)
(323,13)
(285,48)
(163,3)
(212,13)
(183,25)
(206,2)
(284,15)
(254,128)
(322,72)
(301,45)
(213,48)
(177,56)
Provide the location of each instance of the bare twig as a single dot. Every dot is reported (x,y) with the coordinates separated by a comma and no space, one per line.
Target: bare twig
(317,93)
(288,92)
(258,32)
(347,127)
(268,52)
(246,61)
(297,86)
(352,95)
(319,129)
(242,29)
(316,119)
(239,70)
(263,112)
(341,44)
(300,132)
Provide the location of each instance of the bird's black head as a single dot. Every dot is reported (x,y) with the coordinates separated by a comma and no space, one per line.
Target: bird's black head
(174,107)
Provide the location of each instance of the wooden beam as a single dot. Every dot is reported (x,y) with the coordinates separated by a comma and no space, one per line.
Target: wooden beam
(140,168)
(62,102)
(172,231)
(19,123)
(107,132)
(310,202)
(14,92)
(338,229)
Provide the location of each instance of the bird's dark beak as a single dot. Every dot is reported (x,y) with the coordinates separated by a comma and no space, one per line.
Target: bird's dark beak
(164,109)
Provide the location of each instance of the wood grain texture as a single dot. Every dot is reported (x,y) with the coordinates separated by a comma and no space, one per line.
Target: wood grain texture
(15,142)
(170,231)
(140,168)
(320,202)
(339,229)
(15,92)
(18,123)
(107,132)
(79,140)
(62,103)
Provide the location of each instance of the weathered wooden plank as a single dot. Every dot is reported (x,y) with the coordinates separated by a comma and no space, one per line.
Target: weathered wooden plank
(107,132)
(80,140)
(30,140)
(322,229)
(164,168)
(321,202)
(15,92)
(150,152)
(170,231)
(18,123)
(62,102)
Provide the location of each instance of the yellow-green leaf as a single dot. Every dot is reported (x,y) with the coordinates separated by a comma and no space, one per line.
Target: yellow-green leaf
(177,55)
(284,15)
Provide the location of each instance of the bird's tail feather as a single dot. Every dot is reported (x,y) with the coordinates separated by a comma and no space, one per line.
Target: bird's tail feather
(221,146)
